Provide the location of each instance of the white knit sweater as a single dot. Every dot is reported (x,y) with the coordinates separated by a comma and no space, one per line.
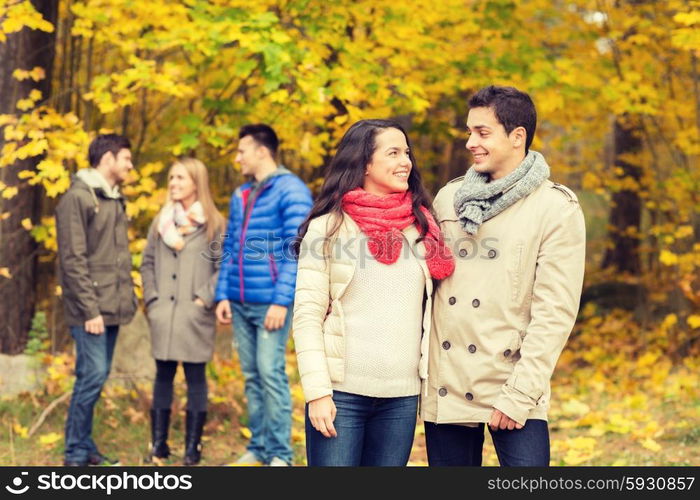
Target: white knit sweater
(383,307)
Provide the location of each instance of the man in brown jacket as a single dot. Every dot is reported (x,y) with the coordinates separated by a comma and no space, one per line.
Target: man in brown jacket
(95,274)
(501,320)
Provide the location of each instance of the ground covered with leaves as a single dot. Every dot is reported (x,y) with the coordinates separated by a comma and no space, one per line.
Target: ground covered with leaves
(621,396)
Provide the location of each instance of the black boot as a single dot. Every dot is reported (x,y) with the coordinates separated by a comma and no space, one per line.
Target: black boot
(160,421)
(194,424)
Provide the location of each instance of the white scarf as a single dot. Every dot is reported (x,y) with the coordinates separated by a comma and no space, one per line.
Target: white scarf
(174,222)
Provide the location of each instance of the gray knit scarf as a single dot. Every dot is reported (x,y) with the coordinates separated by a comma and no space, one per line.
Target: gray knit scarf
(478,200)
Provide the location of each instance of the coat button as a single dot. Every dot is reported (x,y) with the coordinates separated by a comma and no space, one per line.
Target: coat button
(476,303)
(174,254)
(472,348)
(469,396)
(492,254)
(442,392)
(507,352)
(446,345)
(174,276)
(452,301)
(172,298)
(463,252)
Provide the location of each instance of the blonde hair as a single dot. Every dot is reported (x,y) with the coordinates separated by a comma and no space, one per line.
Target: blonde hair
(198,173)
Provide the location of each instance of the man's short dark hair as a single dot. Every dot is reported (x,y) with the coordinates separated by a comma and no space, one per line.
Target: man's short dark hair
(263,135)
(106,143)
(512,108)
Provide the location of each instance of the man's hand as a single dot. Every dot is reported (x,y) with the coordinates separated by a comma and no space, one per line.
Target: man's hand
(500,420)
(96,325)
(199,302)
(274,320)
(322,414)
(223,312)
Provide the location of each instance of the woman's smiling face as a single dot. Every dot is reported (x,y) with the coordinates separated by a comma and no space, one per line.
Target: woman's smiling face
(390,165)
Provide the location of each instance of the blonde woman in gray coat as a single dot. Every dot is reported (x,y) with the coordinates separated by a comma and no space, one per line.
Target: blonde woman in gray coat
(179,271)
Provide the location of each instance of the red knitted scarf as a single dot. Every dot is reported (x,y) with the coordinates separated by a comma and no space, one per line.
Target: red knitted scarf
(382,218)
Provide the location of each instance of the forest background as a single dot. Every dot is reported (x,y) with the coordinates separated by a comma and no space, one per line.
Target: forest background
(618,96)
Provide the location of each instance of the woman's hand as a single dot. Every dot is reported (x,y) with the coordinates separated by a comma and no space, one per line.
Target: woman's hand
(322,414)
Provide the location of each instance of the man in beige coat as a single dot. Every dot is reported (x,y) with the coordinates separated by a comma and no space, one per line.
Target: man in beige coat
(501,320)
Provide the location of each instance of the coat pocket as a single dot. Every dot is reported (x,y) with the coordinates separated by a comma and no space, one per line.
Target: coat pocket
(203,317)
(511,351)
(106,288)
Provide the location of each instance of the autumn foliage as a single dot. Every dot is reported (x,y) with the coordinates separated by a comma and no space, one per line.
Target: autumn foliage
(616,84)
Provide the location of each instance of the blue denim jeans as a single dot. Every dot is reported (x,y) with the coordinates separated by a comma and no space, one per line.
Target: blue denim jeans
(456,445)
(92,364)
(371,432)
(261,353)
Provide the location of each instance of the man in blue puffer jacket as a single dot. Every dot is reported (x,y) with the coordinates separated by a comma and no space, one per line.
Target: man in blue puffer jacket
(256,283)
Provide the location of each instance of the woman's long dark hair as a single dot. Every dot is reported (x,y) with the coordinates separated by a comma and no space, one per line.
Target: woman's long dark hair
(347,172)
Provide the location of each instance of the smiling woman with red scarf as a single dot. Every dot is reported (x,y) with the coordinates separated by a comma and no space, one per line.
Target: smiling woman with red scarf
(368,254)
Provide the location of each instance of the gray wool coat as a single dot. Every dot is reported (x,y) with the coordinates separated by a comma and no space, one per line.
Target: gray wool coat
(181,330)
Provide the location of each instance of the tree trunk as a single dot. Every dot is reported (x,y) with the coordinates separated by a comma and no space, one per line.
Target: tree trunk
(18,250)
(626,210)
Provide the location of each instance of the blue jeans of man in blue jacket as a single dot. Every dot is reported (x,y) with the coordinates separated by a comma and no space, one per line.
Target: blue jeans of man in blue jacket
(256,287)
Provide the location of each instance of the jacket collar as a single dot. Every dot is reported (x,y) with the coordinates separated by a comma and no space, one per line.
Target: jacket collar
(97,183)
(281,170)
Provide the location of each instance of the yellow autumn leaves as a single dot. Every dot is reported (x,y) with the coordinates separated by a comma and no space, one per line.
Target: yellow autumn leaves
(627,418)
(15,15)
(58,138)
(620,391)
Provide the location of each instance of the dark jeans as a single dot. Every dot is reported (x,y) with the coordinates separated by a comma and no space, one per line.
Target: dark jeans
(371,432)
(92,364)
(196,377)
(455,445)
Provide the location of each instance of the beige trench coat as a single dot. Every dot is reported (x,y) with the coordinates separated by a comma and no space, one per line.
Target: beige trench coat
(501,320)
(319,336)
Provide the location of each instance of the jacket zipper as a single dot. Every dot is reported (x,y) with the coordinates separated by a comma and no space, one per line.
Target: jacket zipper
(273,267)
(241,241)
